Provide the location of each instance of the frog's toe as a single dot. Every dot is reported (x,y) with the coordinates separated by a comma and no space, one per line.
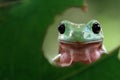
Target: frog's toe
(56,58)
(65,60)
(104,50)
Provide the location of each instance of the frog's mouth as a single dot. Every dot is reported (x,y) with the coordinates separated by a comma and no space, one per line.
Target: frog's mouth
(79,52)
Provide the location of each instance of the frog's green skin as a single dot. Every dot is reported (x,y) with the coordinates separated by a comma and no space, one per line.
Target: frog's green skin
(80,32)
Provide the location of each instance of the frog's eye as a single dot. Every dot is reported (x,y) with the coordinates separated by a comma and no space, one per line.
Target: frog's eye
(61,28)
(96,28)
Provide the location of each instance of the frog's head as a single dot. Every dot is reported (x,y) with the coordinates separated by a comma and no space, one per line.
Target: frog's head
(85,33)
(79,42)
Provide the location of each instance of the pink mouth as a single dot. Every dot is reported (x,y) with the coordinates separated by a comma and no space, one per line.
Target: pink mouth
(79,52)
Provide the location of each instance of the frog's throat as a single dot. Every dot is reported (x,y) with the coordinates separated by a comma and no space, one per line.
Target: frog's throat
(78,52)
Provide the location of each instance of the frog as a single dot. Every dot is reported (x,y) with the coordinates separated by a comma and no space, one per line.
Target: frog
(79,43)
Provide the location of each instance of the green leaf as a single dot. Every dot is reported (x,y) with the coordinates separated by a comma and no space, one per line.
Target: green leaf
(22,30)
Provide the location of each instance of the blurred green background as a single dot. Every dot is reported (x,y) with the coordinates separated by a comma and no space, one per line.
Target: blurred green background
(107,15)
(24,25)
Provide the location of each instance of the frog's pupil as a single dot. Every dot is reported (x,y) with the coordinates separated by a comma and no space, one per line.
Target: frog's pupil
(96,28)
(61,28)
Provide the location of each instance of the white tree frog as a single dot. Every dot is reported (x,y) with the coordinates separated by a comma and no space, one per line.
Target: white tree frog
(79,43)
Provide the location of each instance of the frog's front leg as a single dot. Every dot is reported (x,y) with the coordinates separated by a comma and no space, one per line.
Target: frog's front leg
(104,50)
(64,59)
(56,58)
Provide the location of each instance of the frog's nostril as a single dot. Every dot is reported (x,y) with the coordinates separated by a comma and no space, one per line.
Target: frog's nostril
(83,33)
(71,33)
